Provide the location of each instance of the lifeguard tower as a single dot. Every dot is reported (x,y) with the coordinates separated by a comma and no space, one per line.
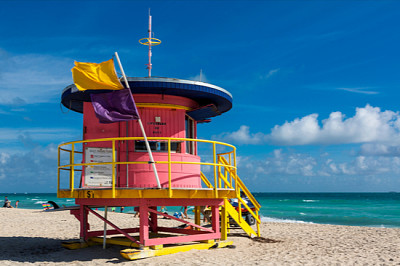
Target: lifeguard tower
(110,167)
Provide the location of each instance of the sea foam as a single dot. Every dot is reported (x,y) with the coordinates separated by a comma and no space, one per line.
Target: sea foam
(276,220)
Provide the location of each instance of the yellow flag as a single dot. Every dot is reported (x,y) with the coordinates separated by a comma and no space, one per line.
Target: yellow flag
(92,76)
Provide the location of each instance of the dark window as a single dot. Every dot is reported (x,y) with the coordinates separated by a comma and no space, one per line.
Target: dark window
(157,146)
(189,126)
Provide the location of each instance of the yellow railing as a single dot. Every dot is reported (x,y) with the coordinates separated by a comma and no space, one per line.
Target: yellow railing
(224,172)
(241,189)
(229,176)
(219,181)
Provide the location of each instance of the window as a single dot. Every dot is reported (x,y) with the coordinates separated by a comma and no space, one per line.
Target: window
(189,127)
(157,146)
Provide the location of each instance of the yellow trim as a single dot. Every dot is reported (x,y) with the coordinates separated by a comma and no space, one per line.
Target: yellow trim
(251,212)
(239,220)
(224,221)
(163,105)
(134,254)
(197,215)
(72,172)
(205,180)
(135,193)
(258,226)
(75,244)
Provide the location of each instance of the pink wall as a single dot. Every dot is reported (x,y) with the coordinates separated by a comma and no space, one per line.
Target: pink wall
(158,122)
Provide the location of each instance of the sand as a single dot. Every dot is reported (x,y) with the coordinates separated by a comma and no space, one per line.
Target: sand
(34,237)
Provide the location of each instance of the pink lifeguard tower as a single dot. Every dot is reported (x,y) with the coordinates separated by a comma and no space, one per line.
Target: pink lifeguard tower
(111,167)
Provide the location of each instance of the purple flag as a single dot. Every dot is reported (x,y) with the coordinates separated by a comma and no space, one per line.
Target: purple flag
(114,106)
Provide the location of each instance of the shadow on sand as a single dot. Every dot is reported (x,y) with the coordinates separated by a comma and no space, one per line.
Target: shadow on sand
(39,249)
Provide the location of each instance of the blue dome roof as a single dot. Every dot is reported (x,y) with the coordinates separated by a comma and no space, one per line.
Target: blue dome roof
(212,99)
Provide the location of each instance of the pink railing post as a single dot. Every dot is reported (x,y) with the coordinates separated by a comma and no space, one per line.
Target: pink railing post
(169,169)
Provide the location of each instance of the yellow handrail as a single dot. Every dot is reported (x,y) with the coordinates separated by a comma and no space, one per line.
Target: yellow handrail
(72,172)
(149,138)
(205,180)
(240,185)
(216,164)
(249,209)
(243,187)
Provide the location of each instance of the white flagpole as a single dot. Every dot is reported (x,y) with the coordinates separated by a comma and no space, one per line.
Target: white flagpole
(141,127)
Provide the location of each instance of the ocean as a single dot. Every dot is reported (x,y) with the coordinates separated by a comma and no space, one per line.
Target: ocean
(354,209)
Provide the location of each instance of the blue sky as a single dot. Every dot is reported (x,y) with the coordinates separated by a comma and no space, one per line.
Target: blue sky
(315,83)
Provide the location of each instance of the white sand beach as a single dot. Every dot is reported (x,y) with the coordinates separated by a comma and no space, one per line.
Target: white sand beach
(34,237)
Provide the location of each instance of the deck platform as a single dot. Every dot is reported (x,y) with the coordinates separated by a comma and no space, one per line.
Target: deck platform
(134,193)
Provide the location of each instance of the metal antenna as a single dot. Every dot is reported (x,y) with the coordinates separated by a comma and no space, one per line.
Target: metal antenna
(149,42)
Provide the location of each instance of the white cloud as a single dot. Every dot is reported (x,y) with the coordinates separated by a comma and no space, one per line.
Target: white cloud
(304,172)
(282,163)
(270,73)
(35,168)
(379,149)
(298,132)
(242,136)
(369,124)
(200,77)
(32,78)
(37,134)
(32,169)
(359,90)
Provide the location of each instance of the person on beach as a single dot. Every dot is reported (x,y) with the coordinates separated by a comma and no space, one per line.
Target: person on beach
(55,205)
(16,204)
(164,210)
(206,214)
(7,204)
(185,209)
(5,201)
(137,213)
(178,215)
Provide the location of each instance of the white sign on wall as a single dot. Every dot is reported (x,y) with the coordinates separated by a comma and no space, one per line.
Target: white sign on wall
(98,175)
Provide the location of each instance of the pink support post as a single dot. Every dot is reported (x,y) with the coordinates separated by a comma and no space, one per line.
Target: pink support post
(112,225)
(215,219)
(153,219)
(181,220)
(83,218)
(144,224)
(181,239)
(112,232)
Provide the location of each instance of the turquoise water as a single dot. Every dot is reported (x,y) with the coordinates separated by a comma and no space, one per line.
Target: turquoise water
(360,209)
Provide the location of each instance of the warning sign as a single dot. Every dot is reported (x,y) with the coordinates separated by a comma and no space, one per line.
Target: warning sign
(98,175)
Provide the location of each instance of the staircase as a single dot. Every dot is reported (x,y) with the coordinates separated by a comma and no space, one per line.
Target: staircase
(234,209)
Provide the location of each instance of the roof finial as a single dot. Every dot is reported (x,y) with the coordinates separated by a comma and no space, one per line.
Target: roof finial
(149,42)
